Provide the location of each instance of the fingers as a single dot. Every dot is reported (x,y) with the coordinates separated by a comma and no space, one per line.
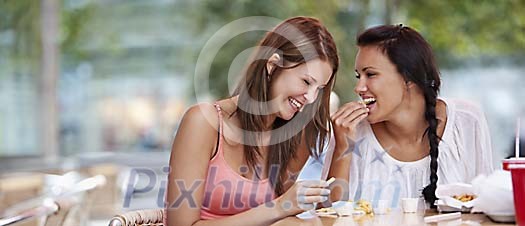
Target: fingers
(315,191)
(311,192)
(311,199)
(352,121)
(306,202)
(349,113)
(313,183)
(304,195)
(350,106)
(307,206)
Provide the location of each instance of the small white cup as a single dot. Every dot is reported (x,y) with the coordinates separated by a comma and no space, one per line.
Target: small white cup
(409,205)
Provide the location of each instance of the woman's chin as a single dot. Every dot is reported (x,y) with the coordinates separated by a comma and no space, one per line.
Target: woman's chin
(287,116)
(371,120)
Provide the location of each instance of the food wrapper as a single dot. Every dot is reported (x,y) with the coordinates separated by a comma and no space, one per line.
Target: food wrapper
(494,193)
(446,193)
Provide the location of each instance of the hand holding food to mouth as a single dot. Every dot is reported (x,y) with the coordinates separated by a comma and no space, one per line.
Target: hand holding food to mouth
(346,119)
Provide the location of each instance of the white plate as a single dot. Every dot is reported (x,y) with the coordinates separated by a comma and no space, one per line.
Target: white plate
(502,217)
(446,209)
(316,213)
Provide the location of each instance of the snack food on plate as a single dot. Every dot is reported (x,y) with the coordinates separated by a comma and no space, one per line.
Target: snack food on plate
(464,197)
(325,210)
(365,206)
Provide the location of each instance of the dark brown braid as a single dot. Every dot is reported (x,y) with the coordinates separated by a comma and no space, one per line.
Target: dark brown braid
(430,115)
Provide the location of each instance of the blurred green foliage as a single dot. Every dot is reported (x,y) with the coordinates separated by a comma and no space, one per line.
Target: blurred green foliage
(20,25)
(461,32)
(479,32)
(483,31)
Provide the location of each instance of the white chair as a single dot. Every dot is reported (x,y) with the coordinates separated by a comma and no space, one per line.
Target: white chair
(54,213)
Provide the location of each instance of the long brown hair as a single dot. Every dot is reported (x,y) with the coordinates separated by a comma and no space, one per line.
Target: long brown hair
(414,60)
(296,40)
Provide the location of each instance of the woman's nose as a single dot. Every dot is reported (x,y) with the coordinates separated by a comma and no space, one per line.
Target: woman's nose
(361,86)
(310,95)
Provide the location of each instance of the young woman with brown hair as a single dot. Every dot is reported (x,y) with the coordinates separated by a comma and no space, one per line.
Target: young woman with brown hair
(232,162)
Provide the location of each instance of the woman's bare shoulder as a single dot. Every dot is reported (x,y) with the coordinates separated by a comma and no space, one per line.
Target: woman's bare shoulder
(201,119)
(197,131)
(202,111)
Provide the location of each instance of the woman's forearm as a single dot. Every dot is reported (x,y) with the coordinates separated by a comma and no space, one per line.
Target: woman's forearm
(264,214)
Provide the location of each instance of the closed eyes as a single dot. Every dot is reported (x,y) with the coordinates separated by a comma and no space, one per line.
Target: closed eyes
(369,74)
(306,82)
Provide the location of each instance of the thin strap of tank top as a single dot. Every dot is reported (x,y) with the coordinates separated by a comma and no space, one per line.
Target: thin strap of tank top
(219,111)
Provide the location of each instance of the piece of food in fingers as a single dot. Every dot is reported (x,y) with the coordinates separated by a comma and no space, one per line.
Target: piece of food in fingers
(331,180)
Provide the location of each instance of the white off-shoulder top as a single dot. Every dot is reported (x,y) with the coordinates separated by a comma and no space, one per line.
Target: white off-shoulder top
(464,152)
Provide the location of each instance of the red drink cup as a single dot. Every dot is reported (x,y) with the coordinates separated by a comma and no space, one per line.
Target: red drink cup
(517,170)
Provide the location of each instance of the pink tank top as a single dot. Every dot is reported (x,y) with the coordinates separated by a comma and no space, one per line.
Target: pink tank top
(228,193)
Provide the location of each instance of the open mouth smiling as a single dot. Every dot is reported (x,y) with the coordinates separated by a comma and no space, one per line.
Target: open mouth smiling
(295,103)
(369,100)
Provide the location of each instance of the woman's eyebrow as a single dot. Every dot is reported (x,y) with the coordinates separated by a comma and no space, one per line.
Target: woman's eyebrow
(315,80)
(311,77)
(365,68)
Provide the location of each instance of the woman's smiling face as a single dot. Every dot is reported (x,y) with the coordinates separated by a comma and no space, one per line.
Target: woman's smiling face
(292,89)
(378,81)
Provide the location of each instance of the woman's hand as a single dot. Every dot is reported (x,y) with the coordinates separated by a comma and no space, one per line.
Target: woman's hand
(345,121)
(302,196)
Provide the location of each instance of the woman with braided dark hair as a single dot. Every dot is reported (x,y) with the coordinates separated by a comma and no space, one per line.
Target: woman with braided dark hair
(412,139)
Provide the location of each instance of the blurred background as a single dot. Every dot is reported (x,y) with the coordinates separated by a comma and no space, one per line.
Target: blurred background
(99,86)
